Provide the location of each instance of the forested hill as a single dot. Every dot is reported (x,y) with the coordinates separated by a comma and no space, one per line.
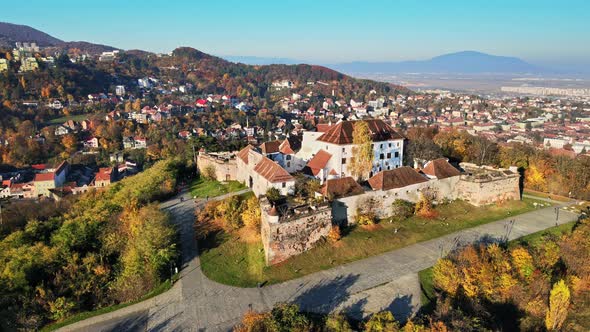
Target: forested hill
(216,75)
(209,75)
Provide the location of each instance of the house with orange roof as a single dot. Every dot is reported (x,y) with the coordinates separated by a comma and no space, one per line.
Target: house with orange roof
(104,177)
(261,173)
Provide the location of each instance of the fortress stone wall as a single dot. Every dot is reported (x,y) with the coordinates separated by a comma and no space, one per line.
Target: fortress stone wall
(283,237)
(225,165)
(481,185)
(478,185)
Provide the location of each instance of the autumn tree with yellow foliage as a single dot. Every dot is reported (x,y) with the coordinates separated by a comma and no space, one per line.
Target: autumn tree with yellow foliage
(362,151)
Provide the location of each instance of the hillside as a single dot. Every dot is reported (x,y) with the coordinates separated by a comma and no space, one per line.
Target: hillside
(11,33)
(213,74)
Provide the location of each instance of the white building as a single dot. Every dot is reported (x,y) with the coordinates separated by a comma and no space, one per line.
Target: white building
(336,144)
(120,90)
(261,173)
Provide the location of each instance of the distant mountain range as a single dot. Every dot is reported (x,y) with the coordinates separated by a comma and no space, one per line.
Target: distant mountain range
(465,62)
(259,61)
(12,33)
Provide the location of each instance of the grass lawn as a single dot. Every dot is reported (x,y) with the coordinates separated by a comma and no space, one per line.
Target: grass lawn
(546,195)
(532,240)
(166,285)
(63,119)
(202,187)
(226,259)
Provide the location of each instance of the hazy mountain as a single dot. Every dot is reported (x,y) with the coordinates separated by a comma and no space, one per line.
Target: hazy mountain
(466,62)
(11,33)
(257,60)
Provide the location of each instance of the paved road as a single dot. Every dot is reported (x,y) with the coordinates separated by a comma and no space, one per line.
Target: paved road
(386,281)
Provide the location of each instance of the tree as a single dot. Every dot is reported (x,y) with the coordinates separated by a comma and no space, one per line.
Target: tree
(137,105)
(382,322)
(559,302)
(337,323)
(446,276)
(361,163)
(287,318)
(273,195)
(523,262)
(70,143)
(251,213)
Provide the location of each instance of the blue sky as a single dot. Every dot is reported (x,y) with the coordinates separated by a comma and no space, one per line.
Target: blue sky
(540,31)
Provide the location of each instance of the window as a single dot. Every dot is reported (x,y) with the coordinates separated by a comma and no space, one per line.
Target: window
(343,161)
(389,145)
(382,156)
(284,184)
(288,157)
(389,155)
(343,150)
(396,154)
(288,164)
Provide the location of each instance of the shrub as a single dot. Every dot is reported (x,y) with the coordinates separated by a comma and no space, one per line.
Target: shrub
(401,209)
(335,234)
(365,212)
(209,172)
(365,218)
(424,206)
(254,322)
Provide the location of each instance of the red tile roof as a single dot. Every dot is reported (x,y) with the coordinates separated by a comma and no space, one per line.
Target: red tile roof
(270,147)
(396,178)
(104,174)
(341,133)
(319,161)
(243,154)
(44,177)
(323,127)
(39,167)
(562,153)
(342,187)
(271,171)
(441,169)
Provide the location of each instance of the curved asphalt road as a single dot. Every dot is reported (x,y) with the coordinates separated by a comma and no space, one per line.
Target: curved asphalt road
(387,281)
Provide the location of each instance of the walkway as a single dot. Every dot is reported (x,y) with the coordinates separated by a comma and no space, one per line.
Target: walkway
(386,281)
